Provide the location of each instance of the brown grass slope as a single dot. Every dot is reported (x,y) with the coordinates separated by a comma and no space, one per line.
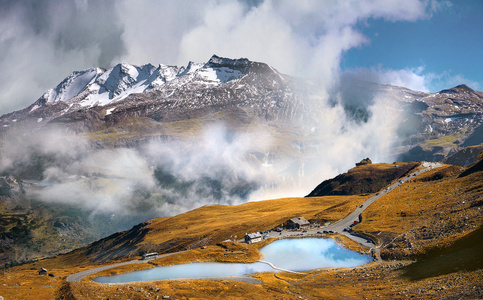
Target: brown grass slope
(476,167)
(363,179)
(207,225)
(435,214)
(429,212)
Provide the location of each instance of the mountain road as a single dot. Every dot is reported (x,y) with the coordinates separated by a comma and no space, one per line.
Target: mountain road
(337,227)
(340,225)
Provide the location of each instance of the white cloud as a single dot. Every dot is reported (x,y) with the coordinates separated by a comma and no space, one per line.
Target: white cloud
(153,30)
(412,78)
(303,38)
(447,79)
(41,43)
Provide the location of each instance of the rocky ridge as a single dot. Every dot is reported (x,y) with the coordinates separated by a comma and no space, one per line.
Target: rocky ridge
(436,125)
(90,99)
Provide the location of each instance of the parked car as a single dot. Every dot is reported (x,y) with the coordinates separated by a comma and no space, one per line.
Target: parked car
(318,232)
(347,229)
(304,231)
(330,231)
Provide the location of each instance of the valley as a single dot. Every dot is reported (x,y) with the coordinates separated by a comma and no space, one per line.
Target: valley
(115,163)
(403,226)
(241,149)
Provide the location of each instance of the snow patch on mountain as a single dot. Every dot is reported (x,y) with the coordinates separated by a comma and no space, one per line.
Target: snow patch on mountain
(72,85)
(217,75)
(97,86)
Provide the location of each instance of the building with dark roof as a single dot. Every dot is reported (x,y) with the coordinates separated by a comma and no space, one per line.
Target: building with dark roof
(251,238)
(297,223)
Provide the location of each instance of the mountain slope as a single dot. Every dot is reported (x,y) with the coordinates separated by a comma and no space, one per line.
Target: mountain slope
(445,123)
(434,126)
(207,225)
(157,141)
(429,212)
(363,179)
(400,214)
(90,99)
(434,218)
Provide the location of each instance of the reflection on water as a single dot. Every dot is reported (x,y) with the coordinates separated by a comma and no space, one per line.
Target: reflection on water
(290,254)
(311,253)
(194,270)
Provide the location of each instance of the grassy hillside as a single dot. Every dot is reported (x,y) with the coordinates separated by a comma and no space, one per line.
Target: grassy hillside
(433,216)
(428,212)
(42,230)
(207,226)
(363,179)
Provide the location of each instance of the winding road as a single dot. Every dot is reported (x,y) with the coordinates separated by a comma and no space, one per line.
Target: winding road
(77,277)
(354,216)
(337,227)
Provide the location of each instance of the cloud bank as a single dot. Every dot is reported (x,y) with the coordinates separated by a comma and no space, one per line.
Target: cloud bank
(42,42)
(157,179)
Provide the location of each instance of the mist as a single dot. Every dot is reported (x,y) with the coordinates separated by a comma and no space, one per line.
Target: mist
(42,42)
(220,166)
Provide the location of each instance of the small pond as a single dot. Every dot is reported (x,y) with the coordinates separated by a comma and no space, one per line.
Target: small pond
(289,254)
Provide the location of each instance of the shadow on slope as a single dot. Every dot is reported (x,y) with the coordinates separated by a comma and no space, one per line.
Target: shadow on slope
(464,254)
(476,167)
(363,179)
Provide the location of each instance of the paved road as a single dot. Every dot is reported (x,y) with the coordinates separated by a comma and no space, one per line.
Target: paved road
(337,227)
(78,276)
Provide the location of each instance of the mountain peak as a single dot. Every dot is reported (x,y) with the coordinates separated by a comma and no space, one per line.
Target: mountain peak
(95,87)
(241,64)
(464,87)
(456,89)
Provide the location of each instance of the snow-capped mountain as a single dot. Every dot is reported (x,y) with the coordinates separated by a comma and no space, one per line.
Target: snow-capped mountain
(96,99)
(162,93)
(439,124)
(96,86)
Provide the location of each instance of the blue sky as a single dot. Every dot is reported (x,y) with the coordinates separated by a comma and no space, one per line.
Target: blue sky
(425,45)
(448,44)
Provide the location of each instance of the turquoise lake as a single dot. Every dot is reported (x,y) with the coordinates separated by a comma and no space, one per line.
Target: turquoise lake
(290,254)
